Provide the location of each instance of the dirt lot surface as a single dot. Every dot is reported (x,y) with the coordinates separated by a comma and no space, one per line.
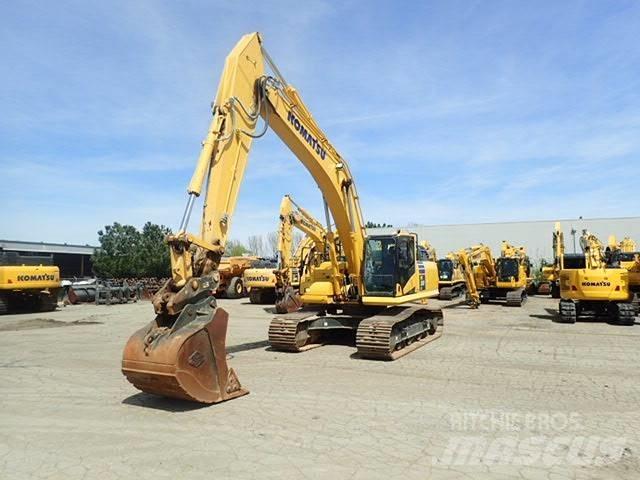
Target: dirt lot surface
(505,393)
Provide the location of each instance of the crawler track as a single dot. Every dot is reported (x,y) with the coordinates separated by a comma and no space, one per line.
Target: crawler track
(398,331)
(449,293)
(291,333)
(626,314)
(568,311)
(516,298)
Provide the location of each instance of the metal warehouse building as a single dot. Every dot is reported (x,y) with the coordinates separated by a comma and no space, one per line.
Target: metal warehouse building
(73,260)
(536,236)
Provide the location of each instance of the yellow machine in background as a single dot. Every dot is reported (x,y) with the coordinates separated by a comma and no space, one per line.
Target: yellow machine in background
(27,288)
(551,273)
(598,289)
(626,255)
(430,249)
(260,282)
(452,282)
(463,260)
(279,284)
(504,279)
(370,287)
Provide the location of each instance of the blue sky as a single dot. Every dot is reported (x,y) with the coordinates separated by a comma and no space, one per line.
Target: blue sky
(448,112)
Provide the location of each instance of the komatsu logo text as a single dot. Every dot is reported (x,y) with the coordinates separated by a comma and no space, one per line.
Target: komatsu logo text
(596,284)
(304,133)
(36,278)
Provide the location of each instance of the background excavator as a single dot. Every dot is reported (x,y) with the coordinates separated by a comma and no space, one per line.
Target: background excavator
(452,282)
(366,289)
(551,273)
(504,279)
(464,264)
(596,289)
(27,284)
(626,255)
(280,285)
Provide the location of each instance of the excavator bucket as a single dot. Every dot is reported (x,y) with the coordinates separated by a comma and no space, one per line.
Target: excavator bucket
(290,301)
(186,359)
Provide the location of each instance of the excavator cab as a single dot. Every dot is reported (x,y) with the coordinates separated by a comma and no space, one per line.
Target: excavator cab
(508,269)
(389,260)
(445,269)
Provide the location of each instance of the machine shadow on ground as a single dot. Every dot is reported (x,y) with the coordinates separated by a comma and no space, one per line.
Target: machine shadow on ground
(147,400)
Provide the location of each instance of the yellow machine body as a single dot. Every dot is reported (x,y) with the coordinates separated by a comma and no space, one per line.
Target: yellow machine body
(599,289)
(28,288)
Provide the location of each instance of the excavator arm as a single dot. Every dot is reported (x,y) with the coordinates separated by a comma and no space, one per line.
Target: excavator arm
(246,94)
(593,250)
(294,216)
(464,258)
(484,265)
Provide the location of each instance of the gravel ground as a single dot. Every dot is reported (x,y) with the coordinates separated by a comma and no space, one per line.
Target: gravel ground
(505,393)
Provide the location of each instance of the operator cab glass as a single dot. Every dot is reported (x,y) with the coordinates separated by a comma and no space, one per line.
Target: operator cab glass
(445,269)
(388,260)
(574,261)
(507,268)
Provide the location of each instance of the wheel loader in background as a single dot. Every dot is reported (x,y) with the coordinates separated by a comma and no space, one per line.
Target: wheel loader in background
(27,284)
(231,270)
(596,289)
(373,286)
(260,282)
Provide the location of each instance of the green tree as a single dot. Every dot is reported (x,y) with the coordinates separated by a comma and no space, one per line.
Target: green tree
(235,248)
(377,225)
(127,252)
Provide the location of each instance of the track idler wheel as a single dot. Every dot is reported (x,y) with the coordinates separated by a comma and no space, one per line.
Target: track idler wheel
(183,359)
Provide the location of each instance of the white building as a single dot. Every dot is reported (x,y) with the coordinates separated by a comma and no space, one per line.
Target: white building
(536,236)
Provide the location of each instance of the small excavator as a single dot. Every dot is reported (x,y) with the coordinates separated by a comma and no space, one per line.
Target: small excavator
(551,273)
(464,264)
(626,255)
(504,279)
(451,273)
(376,287)
(596,289)
(280,286)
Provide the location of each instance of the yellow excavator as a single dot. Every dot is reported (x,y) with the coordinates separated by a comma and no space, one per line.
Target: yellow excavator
(26,286)
(371,288)
(625,254)
(551,273)
(463,261)
(505,279)
(452,282)
(596,289)
(269,285)
(309,254)
(430,249)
